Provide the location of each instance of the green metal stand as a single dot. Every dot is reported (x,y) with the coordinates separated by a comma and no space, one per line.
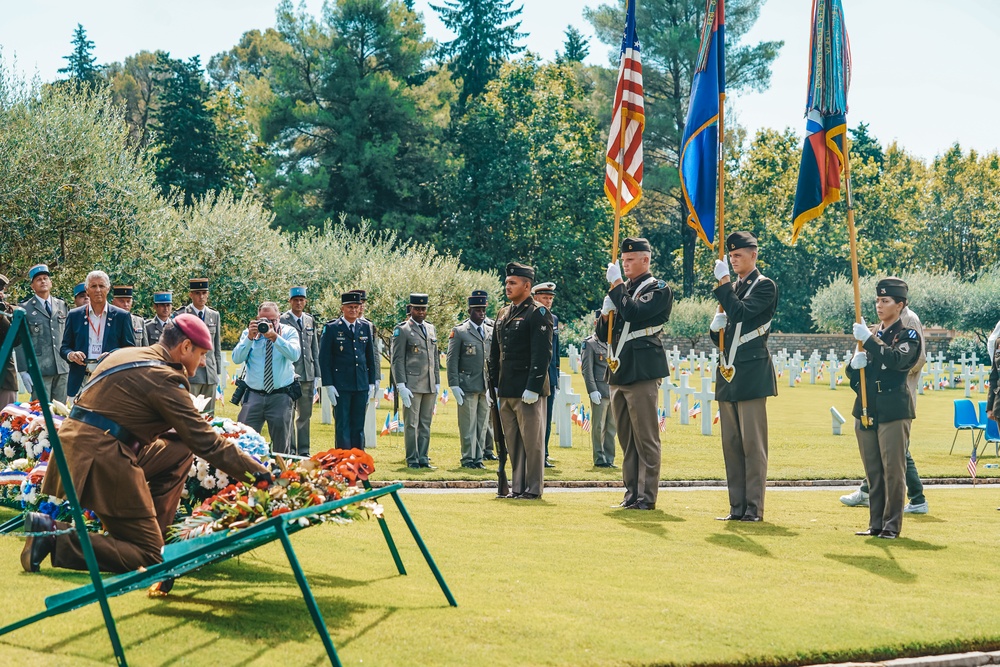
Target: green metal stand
(182,557)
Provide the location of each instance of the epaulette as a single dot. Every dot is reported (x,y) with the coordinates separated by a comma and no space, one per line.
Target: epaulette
(660,284)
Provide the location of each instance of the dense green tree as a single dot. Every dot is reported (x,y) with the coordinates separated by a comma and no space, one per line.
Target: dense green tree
(81,65)
(133,84)
(575,47)
(248,57)
(486,35)
(186,146)
(670,31)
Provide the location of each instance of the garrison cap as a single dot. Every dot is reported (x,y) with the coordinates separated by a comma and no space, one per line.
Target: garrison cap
(122,291)
(296,291)
(636,245)
(163,297)
(892,287)
(349,297)
(364,294)
(738,240)
(38,270)
(198,284)
(79,289)
(194,329)
(543,288)
(522,270)
(419,300)
(478,298)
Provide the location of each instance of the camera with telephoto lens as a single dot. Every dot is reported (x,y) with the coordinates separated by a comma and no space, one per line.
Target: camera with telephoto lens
(263,326)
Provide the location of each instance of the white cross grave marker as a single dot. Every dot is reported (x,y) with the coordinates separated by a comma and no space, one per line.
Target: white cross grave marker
(705,396)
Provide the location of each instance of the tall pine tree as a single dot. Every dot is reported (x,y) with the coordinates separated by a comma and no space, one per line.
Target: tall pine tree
(575,48)
(186,146)
(486,34)
(81,65)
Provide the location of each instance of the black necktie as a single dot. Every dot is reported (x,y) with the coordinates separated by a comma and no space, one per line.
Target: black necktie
(48,308)
(201,314)
(482,334)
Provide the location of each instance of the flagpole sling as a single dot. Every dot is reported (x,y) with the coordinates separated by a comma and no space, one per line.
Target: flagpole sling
(721,206)
(866,421)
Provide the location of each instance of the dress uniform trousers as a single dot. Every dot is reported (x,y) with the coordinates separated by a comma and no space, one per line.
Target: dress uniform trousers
(473,417)
(303,413)
(349,417)
(133,542)
(744,449)
(883,452)
(417,436)
(602,432)
(634,408)
(524,430)
(55,387)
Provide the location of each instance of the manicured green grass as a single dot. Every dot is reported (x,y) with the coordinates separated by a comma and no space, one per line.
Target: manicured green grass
(801,443)
(563,581)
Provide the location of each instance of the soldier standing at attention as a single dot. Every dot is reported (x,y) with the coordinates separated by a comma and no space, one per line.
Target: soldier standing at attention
(417,371)
(163,304)
(121,297)
(745,376)
(46,316)
(594,366)
(347,368)
(637,365)
(306,366)
(370,425)
(205,380)
(519,368)
(80,296)
(889,351)
(544,294)
(468,345)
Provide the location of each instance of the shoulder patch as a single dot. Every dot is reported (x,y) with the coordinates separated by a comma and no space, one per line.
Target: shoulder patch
(646,298)
(660,284)
(396,332)
(542,310)
(913,334)
(905,347)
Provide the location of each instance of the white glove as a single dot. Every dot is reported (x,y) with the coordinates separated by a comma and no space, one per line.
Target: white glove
(405,395)
(861,331)
(859,360)
(529,396)
(26,379)
(721,268)
(371,392)
(719,322)
(459,394)
(376,395)
(614,273)
(595,397)
(608,306)
(332,394)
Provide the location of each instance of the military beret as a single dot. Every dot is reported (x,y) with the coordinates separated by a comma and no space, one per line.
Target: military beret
(350,297)
(198,284)
(738,240)
(38,270)
(892,287)
(122,291)
(79,289)
(419,300)
(364,294)
(478,298)
(163,297)
(636,245)
(543,288)
(195,330)
(296,291)
(522,270)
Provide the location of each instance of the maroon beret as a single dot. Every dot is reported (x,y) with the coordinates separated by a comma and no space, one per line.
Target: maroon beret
(195,329)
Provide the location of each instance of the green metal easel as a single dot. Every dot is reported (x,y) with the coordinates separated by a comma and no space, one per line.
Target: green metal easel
(182,557)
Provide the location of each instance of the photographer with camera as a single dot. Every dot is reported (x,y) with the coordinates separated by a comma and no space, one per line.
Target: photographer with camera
(269,351)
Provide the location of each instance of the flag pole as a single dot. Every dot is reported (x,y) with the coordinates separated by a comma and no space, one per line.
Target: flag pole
(618,199)
(852,230)
(721,234)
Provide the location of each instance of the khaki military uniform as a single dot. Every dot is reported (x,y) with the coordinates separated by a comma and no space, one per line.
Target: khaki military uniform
(467,351)
(139,331)
(206,379)
(594,367)
(135,487)
(307,370)
(414,359)
(46,332)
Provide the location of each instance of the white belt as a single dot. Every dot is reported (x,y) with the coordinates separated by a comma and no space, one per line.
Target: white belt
(756,333)
(648,331)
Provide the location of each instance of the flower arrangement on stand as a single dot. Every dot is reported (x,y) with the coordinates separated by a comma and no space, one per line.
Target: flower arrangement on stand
(205,480)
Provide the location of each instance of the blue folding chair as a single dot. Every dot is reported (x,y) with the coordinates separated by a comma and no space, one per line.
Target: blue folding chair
(992,436)
(966,419)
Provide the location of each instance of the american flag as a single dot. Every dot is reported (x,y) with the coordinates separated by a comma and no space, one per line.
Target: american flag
(586,422)
(973,461)
(663,420)
(388,394)
(395,426)
(628,111)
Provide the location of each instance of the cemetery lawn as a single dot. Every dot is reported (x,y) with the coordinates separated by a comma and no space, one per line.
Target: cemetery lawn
(801,444)
(562,581)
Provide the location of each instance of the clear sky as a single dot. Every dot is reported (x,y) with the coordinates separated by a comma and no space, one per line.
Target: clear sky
(921,67)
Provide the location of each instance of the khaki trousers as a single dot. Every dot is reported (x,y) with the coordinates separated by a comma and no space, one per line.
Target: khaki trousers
(524,429)
(634,410)
(744,449)
(602,432)
(417,436)
(883,451)
(473,415)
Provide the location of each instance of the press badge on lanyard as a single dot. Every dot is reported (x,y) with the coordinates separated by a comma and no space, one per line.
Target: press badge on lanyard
(95,348)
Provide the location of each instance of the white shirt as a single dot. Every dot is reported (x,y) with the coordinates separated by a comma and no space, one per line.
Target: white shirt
(95,332)
(42,302)
(163,323)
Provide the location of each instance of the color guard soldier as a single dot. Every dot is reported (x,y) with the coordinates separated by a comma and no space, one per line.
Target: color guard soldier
(594,367)
(544,294)
(347,367)
(121,297)
(637,365)
(417,371)
(207,378)
(889,351)
(46,316)
(520,353)
(307,366)
(745,376)
(163,304)
(468,345)
(370,425)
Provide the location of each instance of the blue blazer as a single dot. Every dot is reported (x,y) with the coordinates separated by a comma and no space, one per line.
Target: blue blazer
(76,338)
(346,361)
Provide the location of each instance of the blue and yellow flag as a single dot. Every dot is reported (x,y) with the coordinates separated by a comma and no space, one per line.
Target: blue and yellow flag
(826,114)
(699,161)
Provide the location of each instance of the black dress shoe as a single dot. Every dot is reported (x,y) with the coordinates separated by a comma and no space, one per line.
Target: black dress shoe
(730,517)
(428,466)
(548,464)
(623,505)
(480,465)
(641,506)
(490,456)
(888,535)
(36,548)
(867,533)
(411,466)
(750,518)
(528,496)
